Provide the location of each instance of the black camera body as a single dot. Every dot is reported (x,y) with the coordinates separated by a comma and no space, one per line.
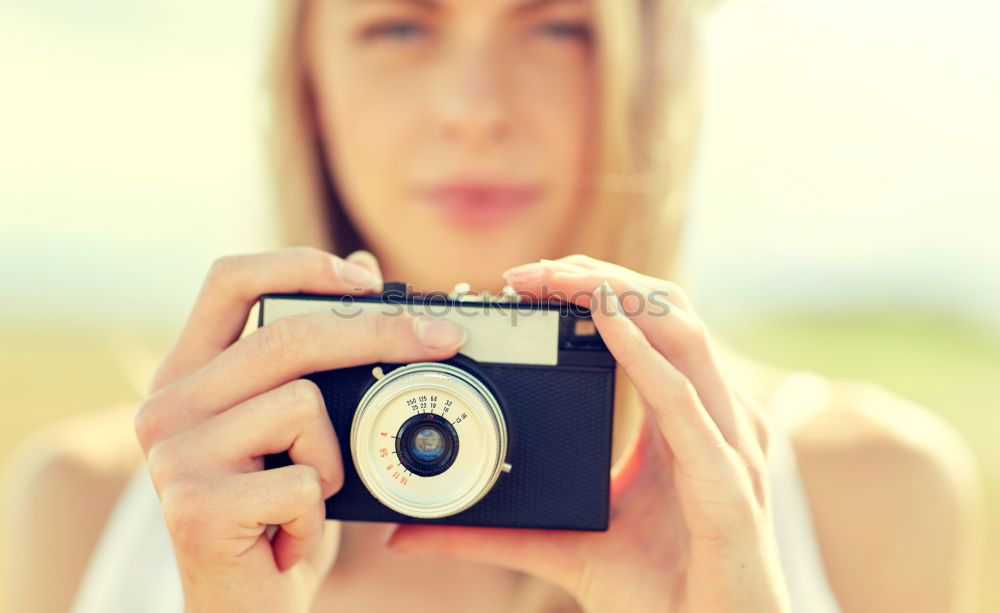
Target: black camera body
(513,431)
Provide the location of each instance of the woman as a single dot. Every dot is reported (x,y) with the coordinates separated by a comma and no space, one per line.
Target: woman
(436,141)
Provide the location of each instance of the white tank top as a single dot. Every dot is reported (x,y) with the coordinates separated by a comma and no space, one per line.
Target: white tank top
(133,568)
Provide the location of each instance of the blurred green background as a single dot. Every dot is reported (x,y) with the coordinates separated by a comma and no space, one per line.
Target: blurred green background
(844,205)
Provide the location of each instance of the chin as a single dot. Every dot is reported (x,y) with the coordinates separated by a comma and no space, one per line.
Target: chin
(444,277)
(482,271)
(445,257)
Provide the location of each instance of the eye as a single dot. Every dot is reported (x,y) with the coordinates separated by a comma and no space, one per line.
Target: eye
(571,30)
(395,30)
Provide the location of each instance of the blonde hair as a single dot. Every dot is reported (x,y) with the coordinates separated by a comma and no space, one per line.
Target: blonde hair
(647,61)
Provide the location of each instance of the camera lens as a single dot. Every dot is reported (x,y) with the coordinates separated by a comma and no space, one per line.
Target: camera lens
(405,439)
(427,444)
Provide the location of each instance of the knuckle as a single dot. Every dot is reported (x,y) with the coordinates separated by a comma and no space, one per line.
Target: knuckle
(318,262)
(746,510)
(757,417)
(677,394)
(280,336)
(311,487)
(757,469)
(726,520)
(147,423)
(626,360)
(678,390)
(222,268)
(693,339)
(760,480)
(306,397)
(754,480)
(143,426)
(635,351)
(338,479)
(162,377)
(164,463)
(187,510)
(381,329)
(677,293)
(764,433)
(698,332)
(674,289)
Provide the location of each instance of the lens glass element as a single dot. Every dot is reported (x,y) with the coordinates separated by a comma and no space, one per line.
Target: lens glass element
(428,445)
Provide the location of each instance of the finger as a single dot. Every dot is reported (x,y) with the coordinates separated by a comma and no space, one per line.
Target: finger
(285,350)
(291,497)
(230,516)
(676,333)
(324,554)
(548,279)
(677,294)
(553,555)
(716,490)
(233,285)
(756,455)
(686,425)
(368,261)
(635,460)
(291,417)
(580,264)
(759,419)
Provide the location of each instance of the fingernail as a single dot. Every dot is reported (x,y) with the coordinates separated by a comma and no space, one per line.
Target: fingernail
(354,274)
(438,333)
(526,273)
(611,299)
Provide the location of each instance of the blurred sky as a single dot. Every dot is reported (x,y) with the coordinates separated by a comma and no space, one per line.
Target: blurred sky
(850,157)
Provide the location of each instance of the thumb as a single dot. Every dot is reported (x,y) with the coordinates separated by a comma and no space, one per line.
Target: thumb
(553,555)
(317,564)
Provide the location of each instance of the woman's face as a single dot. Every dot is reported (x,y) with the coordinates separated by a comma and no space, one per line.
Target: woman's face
(459,132)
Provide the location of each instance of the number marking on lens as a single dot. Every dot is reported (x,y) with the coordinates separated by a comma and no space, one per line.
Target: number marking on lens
(456,454)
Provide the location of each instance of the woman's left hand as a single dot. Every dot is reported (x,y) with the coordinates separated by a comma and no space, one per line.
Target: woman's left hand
(690,526)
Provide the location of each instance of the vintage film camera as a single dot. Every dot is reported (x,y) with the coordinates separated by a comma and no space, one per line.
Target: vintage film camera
(513,431)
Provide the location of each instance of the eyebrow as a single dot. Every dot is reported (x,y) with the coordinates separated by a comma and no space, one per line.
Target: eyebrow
(530,6)
(425,4)
(525,6)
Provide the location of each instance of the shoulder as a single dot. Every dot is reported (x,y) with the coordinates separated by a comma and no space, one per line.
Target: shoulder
(895,496)
(62,483)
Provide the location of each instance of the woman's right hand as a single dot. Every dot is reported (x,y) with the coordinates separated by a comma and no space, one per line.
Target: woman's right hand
(218,403)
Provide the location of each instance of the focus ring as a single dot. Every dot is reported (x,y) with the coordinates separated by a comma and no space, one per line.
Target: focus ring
(473,436)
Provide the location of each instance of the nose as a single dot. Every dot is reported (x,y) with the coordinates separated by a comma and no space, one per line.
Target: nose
(472,104)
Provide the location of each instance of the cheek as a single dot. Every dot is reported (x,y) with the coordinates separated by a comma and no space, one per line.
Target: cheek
(563,111)
(369,124)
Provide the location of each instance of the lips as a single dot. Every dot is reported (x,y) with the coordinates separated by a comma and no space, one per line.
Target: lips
(480,203)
